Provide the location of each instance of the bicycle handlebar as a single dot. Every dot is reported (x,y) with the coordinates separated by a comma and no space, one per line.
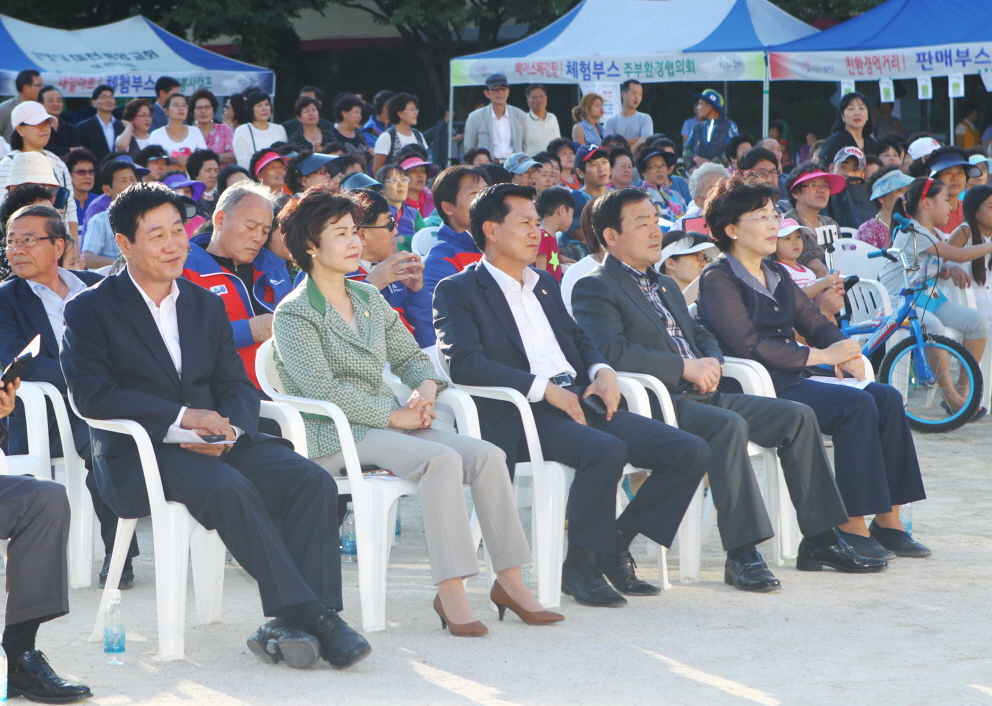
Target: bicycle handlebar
(887,253)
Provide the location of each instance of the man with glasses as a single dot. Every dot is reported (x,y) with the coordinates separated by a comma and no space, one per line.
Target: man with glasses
(498,127)
(99,133)
(31,304)
(761,163)
(639,321)
(28,84)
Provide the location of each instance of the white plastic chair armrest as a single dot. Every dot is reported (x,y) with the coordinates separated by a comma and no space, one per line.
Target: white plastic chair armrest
(466,416)
(146,453)
(650,382)
(752,376)
(636,396)
(508,394)
(290,423)
(36,421)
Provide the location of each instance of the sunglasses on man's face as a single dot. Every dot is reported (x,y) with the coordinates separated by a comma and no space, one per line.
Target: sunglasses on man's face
(391,225)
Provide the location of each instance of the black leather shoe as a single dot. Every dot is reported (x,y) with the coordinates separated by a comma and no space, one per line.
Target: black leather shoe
(127,574)
(867,547)
(619,569)
(839,555)
(749,572)
(339,644)
(587,586)
(898,542)
(278,640)
(33,678)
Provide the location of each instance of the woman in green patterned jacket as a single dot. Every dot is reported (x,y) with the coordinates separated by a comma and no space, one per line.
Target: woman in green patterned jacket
(333,338)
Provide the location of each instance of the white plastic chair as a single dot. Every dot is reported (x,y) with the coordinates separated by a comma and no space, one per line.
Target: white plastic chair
(868,299)
(374,500)
(850,257)
(848,232)
(424,239)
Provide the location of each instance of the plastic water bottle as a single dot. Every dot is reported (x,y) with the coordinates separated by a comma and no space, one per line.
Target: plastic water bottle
(349,546)
(114,633)
(525,573)
(906,517)
(399,530)
(3,677)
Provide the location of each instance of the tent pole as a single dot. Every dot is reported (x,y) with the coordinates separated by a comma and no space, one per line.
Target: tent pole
(451,120)
(765,88)
(950,112)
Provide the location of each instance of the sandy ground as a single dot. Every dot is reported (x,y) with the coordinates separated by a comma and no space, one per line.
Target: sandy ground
(916,634)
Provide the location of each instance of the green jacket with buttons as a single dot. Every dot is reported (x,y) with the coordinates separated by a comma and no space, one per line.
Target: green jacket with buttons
(319,356)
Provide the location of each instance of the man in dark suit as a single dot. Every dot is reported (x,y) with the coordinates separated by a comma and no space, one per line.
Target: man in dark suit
(501,322)
(639,321)
(31,304)
(99,133)
(149,346)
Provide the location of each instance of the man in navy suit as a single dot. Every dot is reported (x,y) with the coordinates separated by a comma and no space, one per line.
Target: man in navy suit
(31,304)
(152,347)
(99,133)
(501,322)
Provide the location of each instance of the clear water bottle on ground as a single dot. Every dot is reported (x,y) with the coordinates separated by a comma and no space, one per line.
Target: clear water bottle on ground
(906,517)
(349,545)
(525,573)
(399,530)
(114,633)
(3,677)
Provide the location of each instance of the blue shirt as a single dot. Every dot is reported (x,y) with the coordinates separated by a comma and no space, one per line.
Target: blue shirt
(100,236)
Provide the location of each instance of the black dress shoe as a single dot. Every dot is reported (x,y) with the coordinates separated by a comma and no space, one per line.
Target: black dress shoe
(898,542)
(127,574)
(749,572)
(33,678)
(867,547)
(339,644)
(587,586)
(839,555)
(278,640)
(619,569)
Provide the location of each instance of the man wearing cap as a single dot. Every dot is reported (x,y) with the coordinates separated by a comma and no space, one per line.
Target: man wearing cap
(594,163)
(711,134)
(231,262)
(524,169)
(100,248)
(419,196)
(28,85)
(852,206)
(498,127)
(99,133)
(542,126)
(628,123)
(639,321)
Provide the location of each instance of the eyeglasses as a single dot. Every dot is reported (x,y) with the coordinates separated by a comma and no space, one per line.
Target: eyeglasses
(28,242)
(761,171)
(765,220)
(84,172)
(396,180)
(818,186)
(391,225)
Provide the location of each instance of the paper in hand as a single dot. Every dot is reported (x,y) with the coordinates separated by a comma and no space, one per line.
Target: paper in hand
(176,435)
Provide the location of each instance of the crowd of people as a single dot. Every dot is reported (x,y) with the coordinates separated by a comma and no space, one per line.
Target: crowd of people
(154,254)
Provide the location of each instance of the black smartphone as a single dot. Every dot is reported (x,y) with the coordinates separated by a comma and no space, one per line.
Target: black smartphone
(213,438)
(62,195)
(22,361)
(595,403)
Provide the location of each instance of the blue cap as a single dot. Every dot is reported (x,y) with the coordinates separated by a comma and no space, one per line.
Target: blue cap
(713,98)
(950,160)
(519,163)
(315,161)
(360,180)
(589,151)
(889,183)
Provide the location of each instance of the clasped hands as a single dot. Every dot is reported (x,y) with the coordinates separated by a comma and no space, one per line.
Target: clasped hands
(418,412)
(207,422)
(604,386)
(703,373)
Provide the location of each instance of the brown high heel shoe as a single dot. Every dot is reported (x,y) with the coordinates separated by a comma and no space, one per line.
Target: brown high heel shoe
(501,598)
(473,629)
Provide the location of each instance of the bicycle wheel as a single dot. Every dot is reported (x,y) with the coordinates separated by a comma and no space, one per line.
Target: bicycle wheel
(957,375)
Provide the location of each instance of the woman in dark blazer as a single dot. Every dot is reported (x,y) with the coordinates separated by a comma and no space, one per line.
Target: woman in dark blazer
(755,311)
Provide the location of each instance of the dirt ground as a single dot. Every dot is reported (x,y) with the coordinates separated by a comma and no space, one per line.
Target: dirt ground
(916,634)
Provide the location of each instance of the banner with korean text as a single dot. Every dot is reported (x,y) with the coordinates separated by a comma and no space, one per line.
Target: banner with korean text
(911,62)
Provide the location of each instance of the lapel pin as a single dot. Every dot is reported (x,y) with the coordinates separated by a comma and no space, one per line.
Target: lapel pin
(544,291)
(664,290)
(366,314)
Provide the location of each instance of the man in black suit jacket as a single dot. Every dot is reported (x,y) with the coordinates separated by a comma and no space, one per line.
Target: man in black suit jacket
(92,131)
(639,321)
(152,347)
(31,304)
(500,322)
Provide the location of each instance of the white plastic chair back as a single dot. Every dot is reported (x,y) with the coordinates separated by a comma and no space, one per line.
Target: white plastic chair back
(424,239)
(848,232)
(851,258)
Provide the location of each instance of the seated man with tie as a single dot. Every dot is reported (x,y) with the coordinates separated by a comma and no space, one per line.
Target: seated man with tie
(149,346)
(639,321)
(501,322)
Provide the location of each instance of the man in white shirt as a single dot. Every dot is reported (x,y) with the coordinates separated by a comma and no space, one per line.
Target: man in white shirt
(503,323)
(629,124)
(497,127)
(542,126)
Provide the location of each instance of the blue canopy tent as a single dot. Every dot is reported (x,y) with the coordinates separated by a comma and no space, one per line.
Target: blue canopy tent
(648,40)
(129,56)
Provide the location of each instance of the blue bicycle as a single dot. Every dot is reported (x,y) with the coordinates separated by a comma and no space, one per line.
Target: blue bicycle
(940,381)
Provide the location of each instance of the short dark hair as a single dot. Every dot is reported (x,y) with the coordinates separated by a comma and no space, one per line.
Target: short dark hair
(473,153)
(135,201)
(553,198)
(203,93)
(547,158)
(887,143)
(303,219)
(534,86)
(380,99)
(345,103)
(491,205)
(731,199)
(559,142)
(24,205)
(226,174)
(625,86)
(150,153)
(109,170)
(807,167)
(196,161)
(166,84)
(448,183)
(132,107)
(609,210)
(47,89)
(253,99)
(24,78)
(914,194)
(730,151)
(294,178)
(620,152)
(349,160)
(751,158)
(100,89)
(318,94)
(371,205)
(399,102)
(302,103)
(332,147)
(80,154)
(614,141)
(411,150)
(495,173)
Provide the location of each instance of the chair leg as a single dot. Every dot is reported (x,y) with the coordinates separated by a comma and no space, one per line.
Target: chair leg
(208,555)
(122,540)
(374,542)
(662,555)
(171,535)
(690,539)
(548,508)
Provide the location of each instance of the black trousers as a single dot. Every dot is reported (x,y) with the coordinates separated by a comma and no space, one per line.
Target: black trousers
(275,510)
(727,422)
(874,455)
(598,453)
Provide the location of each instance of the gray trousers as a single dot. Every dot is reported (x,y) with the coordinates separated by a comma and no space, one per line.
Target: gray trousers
(34,516)
(441,463)
(727,422)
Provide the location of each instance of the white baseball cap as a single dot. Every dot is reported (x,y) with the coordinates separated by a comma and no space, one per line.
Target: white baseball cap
(922,147)
(31,113)
(686,245)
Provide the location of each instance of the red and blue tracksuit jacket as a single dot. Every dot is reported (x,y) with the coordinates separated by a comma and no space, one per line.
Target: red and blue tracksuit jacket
(272,283)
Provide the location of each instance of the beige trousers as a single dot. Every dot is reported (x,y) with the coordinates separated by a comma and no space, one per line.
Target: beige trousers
(441,463)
